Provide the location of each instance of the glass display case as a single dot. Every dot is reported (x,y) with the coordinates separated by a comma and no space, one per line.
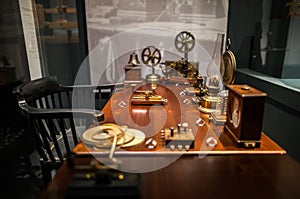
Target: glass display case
(275,45)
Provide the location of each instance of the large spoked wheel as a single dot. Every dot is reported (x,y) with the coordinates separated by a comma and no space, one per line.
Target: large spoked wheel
(184,42)
(151,56)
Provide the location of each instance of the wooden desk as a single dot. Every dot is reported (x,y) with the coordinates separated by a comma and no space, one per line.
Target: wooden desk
(150,119)
(241,173)
(232,176)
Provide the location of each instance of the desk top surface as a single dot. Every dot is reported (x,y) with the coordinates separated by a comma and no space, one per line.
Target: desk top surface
(151,119)
(231,172)
(224,176)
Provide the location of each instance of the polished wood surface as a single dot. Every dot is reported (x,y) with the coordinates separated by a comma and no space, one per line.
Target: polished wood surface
(151,119)
(224,176)
(225,171)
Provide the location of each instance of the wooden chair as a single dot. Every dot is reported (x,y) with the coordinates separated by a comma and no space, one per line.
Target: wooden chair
(58,115)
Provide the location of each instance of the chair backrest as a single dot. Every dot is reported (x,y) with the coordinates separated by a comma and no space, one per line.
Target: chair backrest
(58,114)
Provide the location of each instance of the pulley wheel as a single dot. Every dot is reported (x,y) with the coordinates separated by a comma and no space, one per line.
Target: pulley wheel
(184,42)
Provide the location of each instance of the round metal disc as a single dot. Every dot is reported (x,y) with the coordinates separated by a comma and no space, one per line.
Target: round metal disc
(228,67)
(151,56)
(184,42)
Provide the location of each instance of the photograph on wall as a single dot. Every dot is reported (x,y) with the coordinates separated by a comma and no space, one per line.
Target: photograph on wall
(117,28)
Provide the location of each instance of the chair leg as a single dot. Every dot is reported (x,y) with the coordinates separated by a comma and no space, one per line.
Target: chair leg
(46,174)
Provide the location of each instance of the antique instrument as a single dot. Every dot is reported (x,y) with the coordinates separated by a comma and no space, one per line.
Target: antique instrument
(151,56)
(227,70)
(110,136)
(245,115)
(147,97)
(183,70)
(219,116)
(133,70)
(210,99)
(228,65)
(185,42)
(180,138)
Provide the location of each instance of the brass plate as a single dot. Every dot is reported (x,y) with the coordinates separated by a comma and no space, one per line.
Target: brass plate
(228,67)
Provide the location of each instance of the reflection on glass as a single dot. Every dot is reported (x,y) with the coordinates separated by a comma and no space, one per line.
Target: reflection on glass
(186,101)
(122,104)
(58,39)
(213,69)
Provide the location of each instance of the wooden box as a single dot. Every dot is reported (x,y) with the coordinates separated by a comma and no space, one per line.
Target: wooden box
(245,115)
(133,73)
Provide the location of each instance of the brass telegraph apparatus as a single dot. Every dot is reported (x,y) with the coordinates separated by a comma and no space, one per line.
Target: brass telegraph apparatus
(151,57)
(147,97)
(184,42)
(181,67)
